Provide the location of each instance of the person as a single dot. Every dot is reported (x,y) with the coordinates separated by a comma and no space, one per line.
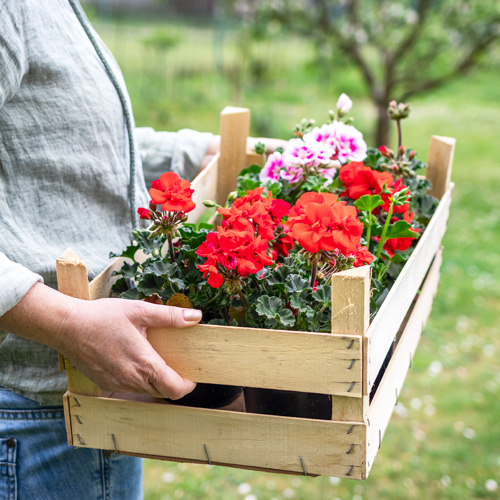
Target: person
(72,169)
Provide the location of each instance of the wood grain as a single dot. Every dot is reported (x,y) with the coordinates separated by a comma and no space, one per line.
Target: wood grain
(385,399)
(234,129)
(273,359)
(241,439)
(439,164)
(386,323)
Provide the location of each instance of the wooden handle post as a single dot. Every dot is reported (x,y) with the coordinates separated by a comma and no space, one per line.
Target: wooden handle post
(72,280)
(439,163)
(234,130)
(351,316)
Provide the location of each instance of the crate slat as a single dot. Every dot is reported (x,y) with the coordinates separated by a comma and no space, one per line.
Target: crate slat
(388,319)
(234,129)
(383,403)
(241,439)
(272,359)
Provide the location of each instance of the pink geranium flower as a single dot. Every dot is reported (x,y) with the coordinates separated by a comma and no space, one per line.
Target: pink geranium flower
(345,141)
(272,168)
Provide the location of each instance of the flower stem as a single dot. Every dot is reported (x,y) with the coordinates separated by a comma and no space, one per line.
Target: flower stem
(400,138)
(171,247)
(314,270)
(243,298)
(384,231)
(369,230)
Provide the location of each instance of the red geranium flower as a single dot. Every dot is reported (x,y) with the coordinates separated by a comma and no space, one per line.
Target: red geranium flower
(363,257)
(319,222)
(144,213)
(173,193)
(360,180)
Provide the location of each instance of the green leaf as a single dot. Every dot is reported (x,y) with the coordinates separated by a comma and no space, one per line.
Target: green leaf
(132,294)
(128,271)
(270,323)
(286,317)
(297,301)
(252,169)
(295,283)
(400,229)
(150,284)
(368,203)
(217,321)
(269,306)
(146,244)
(323,295)
(162,268)
(128,253)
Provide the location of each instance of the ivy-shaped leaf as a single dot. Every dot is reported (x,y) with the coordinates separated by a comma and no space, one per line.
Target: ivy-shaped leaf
(323,295)
(132,294)
(148,245)
(269,306)
(150,284)
(286,317)
(368,203)
(400,229)
(296,284)
(128,253)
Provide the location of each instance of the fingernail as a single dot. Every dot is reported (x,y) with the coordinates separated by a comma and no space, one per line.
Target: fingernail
(191,314)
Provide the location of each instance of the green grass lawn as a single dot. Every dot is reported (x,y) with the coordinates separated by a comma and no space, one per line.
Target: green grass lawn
(444,439)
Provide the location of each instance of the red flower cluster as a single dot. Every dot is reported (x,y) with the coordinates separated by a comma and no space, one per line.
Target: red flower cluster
(253,212)
(360,180)
(318,221)
(231,253)
(172,193)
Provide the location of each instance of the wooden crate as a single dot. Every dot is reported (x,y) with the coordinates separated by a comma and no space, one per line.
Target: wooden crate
(343,364)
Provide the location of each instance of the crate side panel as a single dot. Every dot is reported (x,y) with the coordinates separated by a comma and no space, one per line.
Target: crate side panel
(272,359)
(240,439)
(387,322)
(205,188)
(385,399)
(100,286)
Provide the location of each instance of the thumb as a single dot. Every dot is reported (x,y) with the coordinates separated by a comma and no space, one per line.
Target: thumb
(158,316)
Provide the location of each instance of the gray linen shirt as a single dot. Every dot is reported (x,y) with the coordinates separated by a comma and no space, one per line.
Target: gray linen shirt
(64,166)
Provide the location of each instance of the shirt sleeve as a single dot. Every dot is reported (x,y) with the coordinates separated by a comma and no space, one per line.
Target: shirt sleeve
(15,282)
(13,64)
(181,152)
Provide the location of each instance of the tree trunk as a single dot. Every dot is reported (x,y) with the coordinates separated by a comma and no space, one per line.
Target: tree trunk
(382,132)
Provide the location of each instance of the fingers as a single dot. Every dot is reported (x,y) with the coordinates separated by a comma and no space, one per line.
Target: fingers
(158,316)
(166,382)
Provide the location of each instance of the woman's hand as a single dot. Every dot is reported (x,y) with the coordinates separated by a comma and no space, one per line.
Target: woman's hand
(105,339)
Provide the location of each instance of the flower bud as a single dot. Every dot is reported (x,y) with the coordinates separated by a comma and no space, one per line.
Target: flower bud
(232,196)
(344,104)
(152,205)
(209,203)
(385,151)
(401,150)
(412,155)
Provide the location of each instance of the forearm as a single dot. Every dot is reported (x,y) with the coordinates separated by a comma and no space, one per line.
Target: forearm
(40,316)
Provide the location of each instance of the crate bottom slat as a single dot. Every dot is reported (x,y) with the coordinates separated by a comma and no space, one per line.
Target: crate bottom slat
(231,438)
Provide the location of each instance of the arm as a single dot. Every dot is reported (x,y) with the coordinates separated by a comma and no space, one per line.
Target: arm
(105,339)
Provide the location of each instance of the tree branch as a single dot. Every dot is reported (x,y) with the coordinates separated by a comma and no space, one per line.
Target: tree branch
(348,46)
(467,63)
(412,37)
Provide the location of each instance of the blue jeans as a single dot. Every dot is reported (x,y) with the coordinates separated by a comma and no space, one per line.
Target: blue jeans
(37,463)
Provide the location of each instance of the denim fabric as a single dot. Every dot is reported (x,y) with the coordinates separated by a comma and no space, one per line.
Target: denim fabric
(37,463)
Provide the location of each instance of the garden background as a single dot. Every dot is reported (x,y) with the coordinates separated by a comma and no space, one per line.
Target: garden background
(444,439)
